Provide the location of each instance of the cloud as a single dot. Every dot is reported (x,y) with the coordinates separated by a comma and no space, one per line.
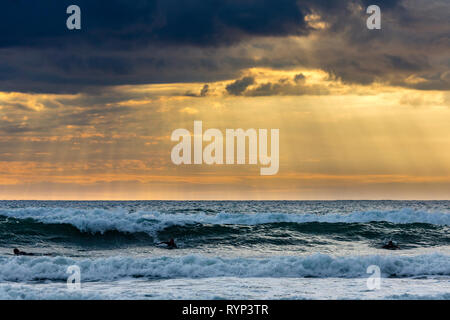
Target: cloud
(203,92)
(120,22)
(167,41)
(239,86)
(299,77)
(282,87)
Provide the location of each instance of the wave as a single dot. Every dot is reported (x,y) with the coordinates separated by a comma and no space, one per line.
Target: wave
(20,232)
(20,269)
(100,220)
(106,229)
(25,232)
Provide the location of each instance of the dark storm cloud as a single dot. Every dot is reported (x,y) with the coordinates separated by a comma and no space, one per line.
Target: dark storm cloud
(239,86)
(163,41)
(130,42)
(122,22)
(414,41)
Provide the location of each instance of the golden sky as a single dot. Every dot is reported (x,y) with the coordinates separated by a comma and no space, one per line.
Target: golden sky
(337,141)
(362,114)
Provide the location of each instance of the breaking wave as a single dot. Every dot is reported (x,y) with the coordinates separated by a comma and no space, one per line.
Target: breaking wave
(100,220)
(20,269)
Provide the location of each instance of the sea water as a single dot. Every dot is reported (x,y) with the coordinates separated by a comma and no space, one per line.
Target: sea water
(226,249)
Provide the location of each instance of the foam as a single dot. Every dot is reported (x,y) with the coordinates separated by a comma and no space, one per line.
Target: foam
(197,266)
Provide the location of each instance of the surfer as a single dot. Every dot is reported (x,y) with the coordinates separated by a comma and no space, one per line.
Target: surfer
(170,244)
(391,245)
(17,252)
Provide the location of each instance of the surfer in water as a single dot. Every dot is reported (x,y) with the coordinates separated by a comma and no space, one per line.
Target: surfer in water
(170,244)
(390,245)
(17,252)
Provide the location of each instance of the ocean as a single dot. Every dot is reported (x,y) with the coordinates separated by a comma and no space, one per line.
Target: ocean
(226,249)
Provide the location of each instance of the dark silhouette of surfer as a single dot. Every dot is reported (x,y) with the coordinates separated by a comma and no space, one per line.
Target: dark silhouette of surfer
(170,244)
(17,252)
(391,245)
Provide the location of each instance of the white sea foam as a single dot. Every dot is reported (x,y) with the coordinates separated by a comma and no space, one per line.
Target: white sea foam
(100,220)
(47,292)
(196,266)
(234,288)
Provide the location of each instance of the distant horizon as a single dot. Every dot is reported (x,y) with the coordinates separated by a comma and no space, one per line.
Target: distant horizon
(236,200)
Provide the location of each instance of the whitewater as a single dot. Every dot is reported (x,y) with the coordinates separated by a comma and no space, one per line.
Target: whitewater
(227,249)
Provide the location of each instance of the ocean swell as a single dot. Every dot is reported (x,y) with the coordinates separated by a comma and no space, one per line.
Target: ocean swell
(101,220)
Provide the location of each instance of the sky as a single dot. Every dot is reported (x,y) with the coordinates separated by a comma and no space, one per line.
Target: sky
(88,114)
